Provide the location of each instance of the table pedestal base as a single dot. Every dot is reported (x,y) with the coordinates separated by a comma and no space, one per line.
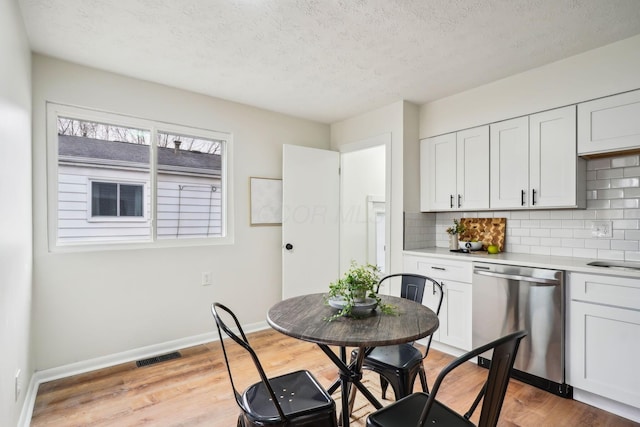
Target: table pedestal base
(349,374)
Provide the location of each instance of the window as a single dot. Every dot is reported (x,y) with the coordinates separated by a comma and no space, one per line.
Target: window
(111,199)
(119,179)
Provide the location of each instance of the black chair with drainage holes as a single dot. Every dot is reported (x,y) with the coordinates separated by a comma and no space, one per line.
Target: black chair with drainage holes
(422,409)
(294,400)
(399,365)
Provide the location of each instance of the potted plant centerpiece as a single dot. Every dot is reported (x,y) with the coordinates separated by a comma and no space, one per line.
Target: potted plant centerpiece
(355,293)
(454,231)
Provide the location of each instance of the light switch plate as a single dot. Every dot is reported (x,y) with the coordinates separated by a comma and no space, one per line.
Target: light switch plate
(601,229)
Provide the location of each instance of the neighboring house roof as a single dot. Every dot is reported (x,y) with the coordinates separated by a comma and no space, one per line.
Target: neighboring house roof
(89,151)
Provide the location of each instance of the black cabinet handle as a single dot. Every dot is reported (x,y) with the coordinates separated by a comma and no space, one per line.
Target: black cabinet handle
(533,197)
(522,198)
(288,246)
(459,202)
(451,201)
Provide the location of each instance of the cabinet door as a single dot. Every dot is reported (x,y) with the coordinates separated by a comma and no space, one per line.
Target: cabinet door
(438,172)
(609,124)
(472,168)
(604,350)
(509,174)
(553,158)
(430,299)
(455,315)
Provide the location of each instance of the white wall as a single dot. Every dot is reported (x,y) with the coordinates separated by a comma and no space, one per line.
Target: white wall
(411,152)
(593,74)
(15,210)
(91,304)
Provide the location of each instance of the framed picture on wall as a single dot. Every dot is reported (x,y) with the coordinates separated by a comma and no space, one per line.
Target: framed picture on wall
(266,201)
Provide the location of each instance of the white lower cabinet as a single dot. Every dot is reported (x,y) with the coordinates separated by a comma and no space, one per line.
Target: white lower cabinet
(455,313)
(604,336)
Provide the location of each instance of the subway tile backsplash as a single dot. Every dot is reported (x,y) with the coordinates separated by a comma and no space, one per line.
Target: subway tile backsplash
(613,196)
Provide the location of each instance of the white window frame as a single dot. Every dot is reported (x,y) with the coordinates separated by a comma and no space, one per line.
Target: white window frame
(55,110)
(117,218)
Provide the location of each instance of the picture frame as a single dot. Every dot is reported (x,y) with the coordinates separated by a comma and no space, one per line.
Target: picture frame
(265,201)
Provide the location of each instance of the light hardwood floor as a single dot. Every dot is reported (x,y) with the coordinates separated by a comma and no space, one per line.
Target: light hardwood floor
(194,390)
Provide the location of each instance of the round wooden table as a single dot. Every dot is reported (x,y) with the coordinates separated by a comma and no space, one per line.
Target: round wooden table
(304,317)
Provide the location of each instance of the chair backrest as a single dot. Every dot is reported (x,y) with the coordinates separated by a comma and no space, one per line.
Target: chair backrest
(495,388)
(413,287)
(244,344)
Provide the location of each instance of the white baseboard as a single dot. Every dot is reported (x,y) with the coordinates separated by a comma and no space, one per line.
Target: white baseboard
(445,348)
(89,365)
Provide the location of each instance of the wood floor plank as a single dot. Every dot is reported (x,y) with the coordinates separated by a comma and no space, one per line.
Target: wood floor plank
(194,390)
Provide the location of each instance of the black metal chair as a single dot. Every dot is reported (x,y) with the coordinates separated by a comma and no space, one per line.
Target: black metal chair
(421,409)
(294,399)
(399,365)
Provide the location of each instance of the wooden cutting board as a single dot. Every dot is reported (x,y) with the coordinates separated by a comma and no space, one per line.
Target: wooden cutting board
(489,231)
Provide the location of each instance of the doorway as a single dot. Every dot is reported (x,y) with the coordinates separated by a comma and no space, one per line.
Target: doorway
(363,202)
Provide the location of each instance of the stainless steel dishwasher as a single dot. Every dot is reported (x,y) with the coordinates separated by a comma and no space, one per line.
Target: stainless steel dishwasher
(508,298)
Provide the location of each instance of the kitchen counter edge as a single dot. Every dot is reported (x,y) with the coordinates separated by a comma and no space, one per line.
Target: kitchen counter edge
(578,265)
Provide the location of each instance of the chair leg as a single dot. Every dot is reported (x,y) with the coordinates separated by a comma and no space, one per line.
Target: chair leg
(423,379)
(383,386)
(352,398)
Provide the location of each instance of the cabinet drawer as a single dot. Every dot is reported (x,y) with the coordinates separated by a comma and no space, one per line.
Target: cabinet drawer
(609,290)
(438,268)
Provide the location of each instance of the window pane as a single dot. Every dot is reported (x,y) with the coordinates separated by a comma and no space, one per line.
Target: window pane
(104,198)
(189,202)
(130,200)
(92,159)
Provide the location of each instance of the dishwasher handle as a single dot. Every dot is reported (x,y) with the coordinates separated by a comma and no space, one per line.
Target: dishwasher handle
(540,280)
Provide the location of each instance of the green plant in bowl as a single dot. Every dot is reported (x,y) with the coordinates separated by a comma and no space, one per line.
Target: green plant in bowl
(357,287)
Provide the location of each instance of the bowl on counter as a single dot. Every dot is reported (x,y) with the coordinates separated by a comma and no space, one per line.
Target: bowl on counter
(472,246)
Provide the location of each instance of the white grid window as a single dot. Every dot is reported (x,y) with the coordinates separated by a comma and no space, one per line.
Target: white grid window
(111,184)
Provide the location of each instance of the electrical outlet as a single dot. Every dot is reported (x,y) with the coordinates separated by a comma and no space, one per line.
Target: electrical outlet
(206,278)
(18,385)
(601,229)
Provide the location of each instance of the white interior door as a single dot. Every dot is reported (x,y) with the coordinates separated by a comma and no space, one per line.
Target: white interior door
(310,219)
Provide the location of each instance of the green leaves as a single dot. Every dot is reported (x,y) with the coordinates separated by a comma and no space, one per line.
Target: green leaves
(357,283)
(456,228)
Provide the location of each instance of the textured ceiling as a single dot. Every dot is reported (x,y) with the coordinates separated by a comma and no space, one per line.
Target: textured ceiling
(324,60)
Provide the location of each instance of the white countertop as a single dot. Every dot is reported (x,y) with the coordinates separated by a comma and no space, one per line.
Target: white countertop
(528,260)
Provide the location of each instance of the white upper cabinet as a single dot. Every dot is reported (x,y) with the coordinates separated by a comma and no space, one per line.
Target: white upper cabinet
(554,168)
(472,181)
(438,172)
(454,171)
(534,162)
(510,163)
(609,124)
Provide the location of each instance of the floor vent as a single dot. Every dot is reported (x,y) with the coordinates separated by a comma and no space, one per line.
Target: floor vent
(158,359)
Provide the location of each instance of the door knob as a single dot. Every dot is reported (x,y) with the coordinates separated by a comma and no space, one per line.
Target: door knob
(288,246)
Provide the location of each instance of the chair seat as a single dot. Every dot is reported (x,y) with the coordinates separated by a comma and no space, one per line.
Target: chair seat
(403,356)
(406,412)
(298,393)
